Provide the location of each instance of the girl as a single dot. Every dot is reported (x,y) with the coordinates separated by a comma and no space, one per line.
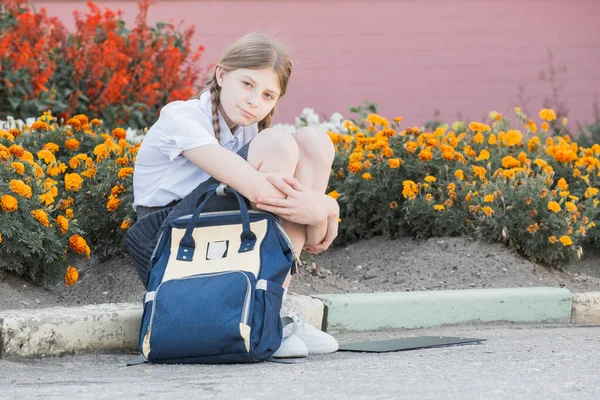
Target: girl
(225,136)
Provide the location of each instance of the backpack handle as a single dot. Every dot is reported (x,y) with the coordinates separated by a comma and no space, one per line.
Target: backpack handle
(187,245)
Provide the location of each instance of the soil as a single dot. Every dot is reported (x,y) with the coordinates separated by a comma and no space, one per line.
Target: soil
(373,265)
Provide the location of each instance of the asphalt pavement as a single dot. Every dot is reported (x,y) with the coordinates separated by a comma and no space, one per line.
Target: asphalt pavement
(515,362)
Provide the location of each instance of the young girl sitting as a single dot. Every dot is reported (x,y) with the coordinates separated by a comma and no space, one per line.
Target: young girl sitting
(225,136)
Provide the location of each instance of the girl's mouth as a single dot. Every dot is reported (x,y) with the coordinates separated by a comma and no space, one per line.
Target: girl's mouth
(246,113)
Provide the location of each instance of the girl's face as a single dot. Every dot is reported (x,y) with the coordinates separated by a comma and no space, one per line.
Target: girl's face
(247,95)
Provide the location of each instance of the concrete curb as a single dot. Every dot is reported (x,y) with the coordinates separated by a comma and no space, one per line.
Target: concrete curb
(586,308)
(104,327)
(411,310)
(110,327)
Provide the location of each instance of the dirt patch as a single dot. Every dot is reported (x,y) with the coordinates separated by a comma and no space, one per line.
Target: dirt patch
(372,265)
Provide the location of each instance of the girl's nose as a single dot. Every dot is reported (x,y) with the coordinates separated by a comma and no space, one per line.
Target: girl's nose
(252,100)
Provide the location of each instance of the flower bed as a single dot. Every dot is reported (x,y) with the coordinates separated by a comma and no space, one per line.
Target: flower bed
(499,182)
(60,184)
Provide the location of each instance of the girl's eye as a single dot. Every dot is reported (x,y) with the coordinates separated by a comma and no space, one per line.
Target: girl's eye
(268,96)
(247,84)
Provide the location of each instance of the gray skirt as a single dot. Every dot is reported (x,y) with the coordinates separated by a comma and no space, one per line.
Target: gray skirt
(141,239)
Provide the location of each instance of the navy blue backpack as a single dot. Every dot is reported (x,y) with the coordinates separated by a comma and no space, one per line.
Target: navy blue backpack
(214,289)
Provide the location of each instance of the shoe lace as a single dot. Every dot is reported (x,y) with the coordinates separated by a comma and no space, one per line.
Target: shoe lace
(289,309)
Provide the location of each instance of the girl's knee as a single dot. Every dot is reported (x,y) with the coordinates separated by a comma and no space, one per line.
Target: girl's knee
(273,142)
(315,144)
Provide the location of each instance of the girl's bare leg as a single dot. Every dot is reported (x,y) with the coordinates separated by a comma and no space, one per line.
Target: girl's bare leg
(307,155)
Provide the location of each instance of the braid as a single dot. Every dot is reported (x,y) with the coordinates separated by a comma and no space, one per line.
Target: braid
(266,121)
(215,97)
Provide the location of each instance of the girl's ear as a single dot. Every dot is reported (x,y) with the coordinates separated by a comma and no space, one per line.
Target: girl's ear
(219,75)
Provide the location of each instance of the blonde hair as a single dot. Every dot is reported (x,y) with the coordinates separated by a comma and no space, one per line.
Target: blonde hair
(252,51)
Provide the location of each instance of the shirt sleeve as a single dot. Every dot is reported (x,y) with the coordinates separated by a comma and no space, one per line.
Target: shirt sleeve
(184,128)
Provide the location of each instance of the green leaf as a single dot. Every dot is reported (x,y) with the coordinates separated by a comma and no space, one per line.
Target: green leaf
(14,102)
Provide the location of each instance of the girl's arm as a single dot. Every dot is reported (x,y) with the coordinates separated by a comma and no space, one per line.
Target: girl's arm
(228,167)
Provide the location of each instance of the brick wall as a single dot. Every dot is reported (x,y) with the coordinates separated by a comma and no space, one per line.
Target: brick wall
(462,57)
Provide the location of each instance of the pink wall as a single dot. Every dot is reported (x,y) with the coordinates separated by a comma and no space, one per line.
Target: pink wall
(411,57)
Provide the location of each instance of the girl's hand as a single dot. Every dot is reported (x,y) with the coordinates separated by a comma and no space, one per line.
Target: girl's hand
(332,232)
(301,206)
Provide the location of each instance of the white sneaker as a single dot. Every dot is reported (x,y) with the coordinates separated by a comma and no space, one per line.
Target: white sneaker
(291,345)
(317,341)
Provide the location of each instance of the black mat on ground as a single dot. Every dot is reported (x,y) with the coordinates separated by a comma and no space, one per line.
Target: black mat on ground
(408,343)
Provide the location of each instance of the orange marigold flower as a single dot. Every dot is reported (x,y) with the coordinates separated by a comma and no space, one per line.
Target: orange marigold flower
(489,198)
(96,122)
(122,161)
(79,245)
(545,126)
(430,179)
(46,156)
(74,123)
(483,155)
(510,162)
(478,138)
(63,223)
(367,164)
(0,238)
(388,152)
(410,189)
(73,182)
(553,206)
(513,137)
(46,198)
(570,206)
(53,147)
(531,126)
(552,239)
(126,224)
(438,207)
(565,240)
(492,139)
(16,150)
(83,119)
(547,114)
(590,192)
(355,166)
(18,167)
(21,188)
(562,184)
(398,119)
(41,216)
(119,133)
(9,203)
(6,135)
(72,276)
(333,194)
(72,144)
(459,175)
(394,205)
(394,163)
(69,213)
(488,211)
(410,147)
(426,154)
(479,172)
(533,228)
(39,125)
(113,203)
(89,173)
(125,172)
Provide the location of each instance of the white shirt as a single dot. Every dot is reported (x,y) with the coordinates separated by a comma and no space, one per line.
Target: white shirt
(161,173)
